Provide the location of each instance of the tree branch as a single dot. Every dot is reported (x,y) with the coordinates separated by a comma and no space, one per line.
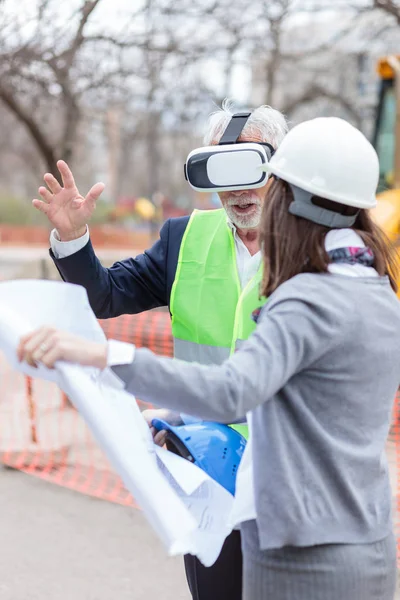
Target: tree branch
(389,7)
(25,117)
(315,92)
(69,55)
(148,45)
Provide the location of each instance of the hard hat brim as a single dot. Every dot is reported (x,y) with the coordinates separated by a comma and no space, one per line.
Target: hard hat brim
(316,190)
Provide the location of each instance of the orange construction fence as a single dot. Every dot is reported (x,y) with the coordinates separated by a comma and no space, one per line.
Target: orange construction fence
(109,236)
(42,434)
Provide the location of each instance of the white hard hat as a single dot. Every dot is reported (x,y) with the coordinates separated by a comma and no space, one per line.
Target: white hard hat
(329,158)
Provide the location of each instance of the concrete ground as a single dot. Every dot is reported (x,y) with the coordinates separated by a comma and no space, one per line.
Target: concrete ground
(61,545)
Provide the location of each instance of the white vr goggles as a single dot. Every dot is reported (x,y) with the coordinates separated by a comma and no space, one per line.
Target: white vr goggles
(231,165)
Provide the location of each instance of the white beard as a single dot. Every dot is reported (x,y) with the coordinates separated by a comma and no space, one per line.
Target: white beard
(244,221)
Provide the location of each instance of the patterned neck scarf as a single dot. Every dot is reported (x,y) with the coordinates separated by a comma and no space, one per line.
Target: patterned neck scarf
(352,256)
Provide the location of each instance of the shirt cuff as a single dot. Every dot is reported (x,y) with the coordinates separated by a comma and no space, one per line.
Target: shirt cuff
(64,249)
(119,353)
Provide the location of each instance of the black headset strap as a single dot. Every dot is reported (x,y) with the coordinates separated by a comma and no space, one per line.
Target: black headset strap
(270,148)
(234,128)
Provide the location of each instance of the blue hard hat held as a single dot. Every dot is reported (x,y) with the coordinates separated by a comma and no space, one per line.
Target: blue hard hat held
(217,449)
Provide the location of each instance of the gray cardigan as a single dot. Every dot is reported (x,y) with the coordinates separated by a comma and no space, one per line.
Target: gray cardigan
(320,374)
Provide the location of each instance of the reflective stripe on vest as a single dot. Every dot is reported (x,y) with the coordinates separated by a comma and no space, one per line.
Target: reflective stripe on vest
(209,310)
(206,355)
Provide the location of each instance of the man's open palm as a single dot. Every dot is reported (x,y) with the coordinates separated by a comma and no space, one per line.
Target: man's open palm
(65,208)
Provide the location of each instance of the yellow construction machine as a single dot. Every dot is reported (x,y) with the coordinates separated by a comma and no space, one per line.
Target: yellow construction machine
(387,145)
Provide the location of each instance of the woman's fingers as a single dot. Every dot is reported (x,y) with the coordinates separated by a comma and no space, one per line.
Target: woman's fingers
(51,356)
(48,345)
(33,346)
(42,346)
(22,343)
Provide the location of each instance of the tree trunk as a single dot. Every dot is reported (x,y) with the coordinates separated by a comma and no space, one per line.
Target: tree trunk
(46,151)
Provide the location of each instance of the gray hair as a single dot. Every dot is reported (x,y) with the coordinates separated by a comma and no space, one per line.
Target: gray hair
(264,121)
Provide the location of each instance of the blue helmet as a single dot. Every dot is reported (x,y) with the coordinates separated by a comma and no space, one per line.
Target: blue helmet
(215,448)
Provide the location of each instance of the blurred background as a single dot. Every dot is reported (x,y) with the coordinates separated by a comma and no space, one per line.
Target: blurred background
(121,90)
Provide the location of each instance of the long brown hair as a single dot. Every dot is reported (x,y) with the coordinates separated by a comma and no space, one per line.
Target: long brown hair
(291,245)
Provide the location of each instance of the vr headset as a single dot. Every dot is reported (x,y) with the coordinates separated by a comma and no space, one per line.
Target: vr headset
(230,165)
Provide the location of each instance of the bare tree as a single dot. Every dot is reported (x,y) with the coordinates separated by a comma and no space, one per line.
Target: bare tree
(391,7)
(35,77)
(135,95)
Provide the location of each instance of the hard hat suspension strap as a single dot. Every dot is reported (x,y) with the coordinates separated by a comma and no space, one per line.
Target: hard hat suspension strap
(321,211)
(175,445)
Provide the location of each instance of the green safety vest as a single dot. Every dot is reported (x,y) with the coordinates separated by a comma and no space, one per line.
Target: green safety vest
(210,312)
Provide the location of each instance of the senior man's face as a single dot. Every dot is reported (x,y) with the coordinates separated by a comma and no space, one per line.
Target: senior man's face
(243,207)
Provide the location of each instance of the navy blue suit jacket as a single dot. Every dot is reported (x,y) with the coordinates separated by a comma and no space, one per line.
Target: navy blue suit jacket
(130,286)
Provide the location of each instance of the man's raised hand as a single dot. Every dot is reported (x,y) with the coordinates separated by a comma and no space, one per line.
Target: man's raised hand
(65,208)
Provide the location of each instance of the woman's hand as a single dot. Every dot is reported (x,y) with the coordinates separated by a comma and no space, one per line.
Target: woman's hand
(48,345)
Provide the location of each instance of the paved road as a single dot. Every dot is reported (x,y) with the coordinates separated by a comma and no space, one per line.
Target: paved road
(34,262)
(61,545)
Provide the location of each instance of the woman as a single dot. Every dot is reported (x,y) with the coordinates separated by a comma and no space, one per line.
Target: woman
(318,375)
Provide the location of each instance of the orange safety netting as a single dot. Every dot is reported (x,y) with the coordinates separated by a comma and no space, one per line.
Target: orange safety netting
(42,434)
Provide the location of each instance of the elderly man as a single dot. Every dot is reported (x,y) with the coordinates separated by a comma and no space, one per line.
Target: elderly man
(223,242)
